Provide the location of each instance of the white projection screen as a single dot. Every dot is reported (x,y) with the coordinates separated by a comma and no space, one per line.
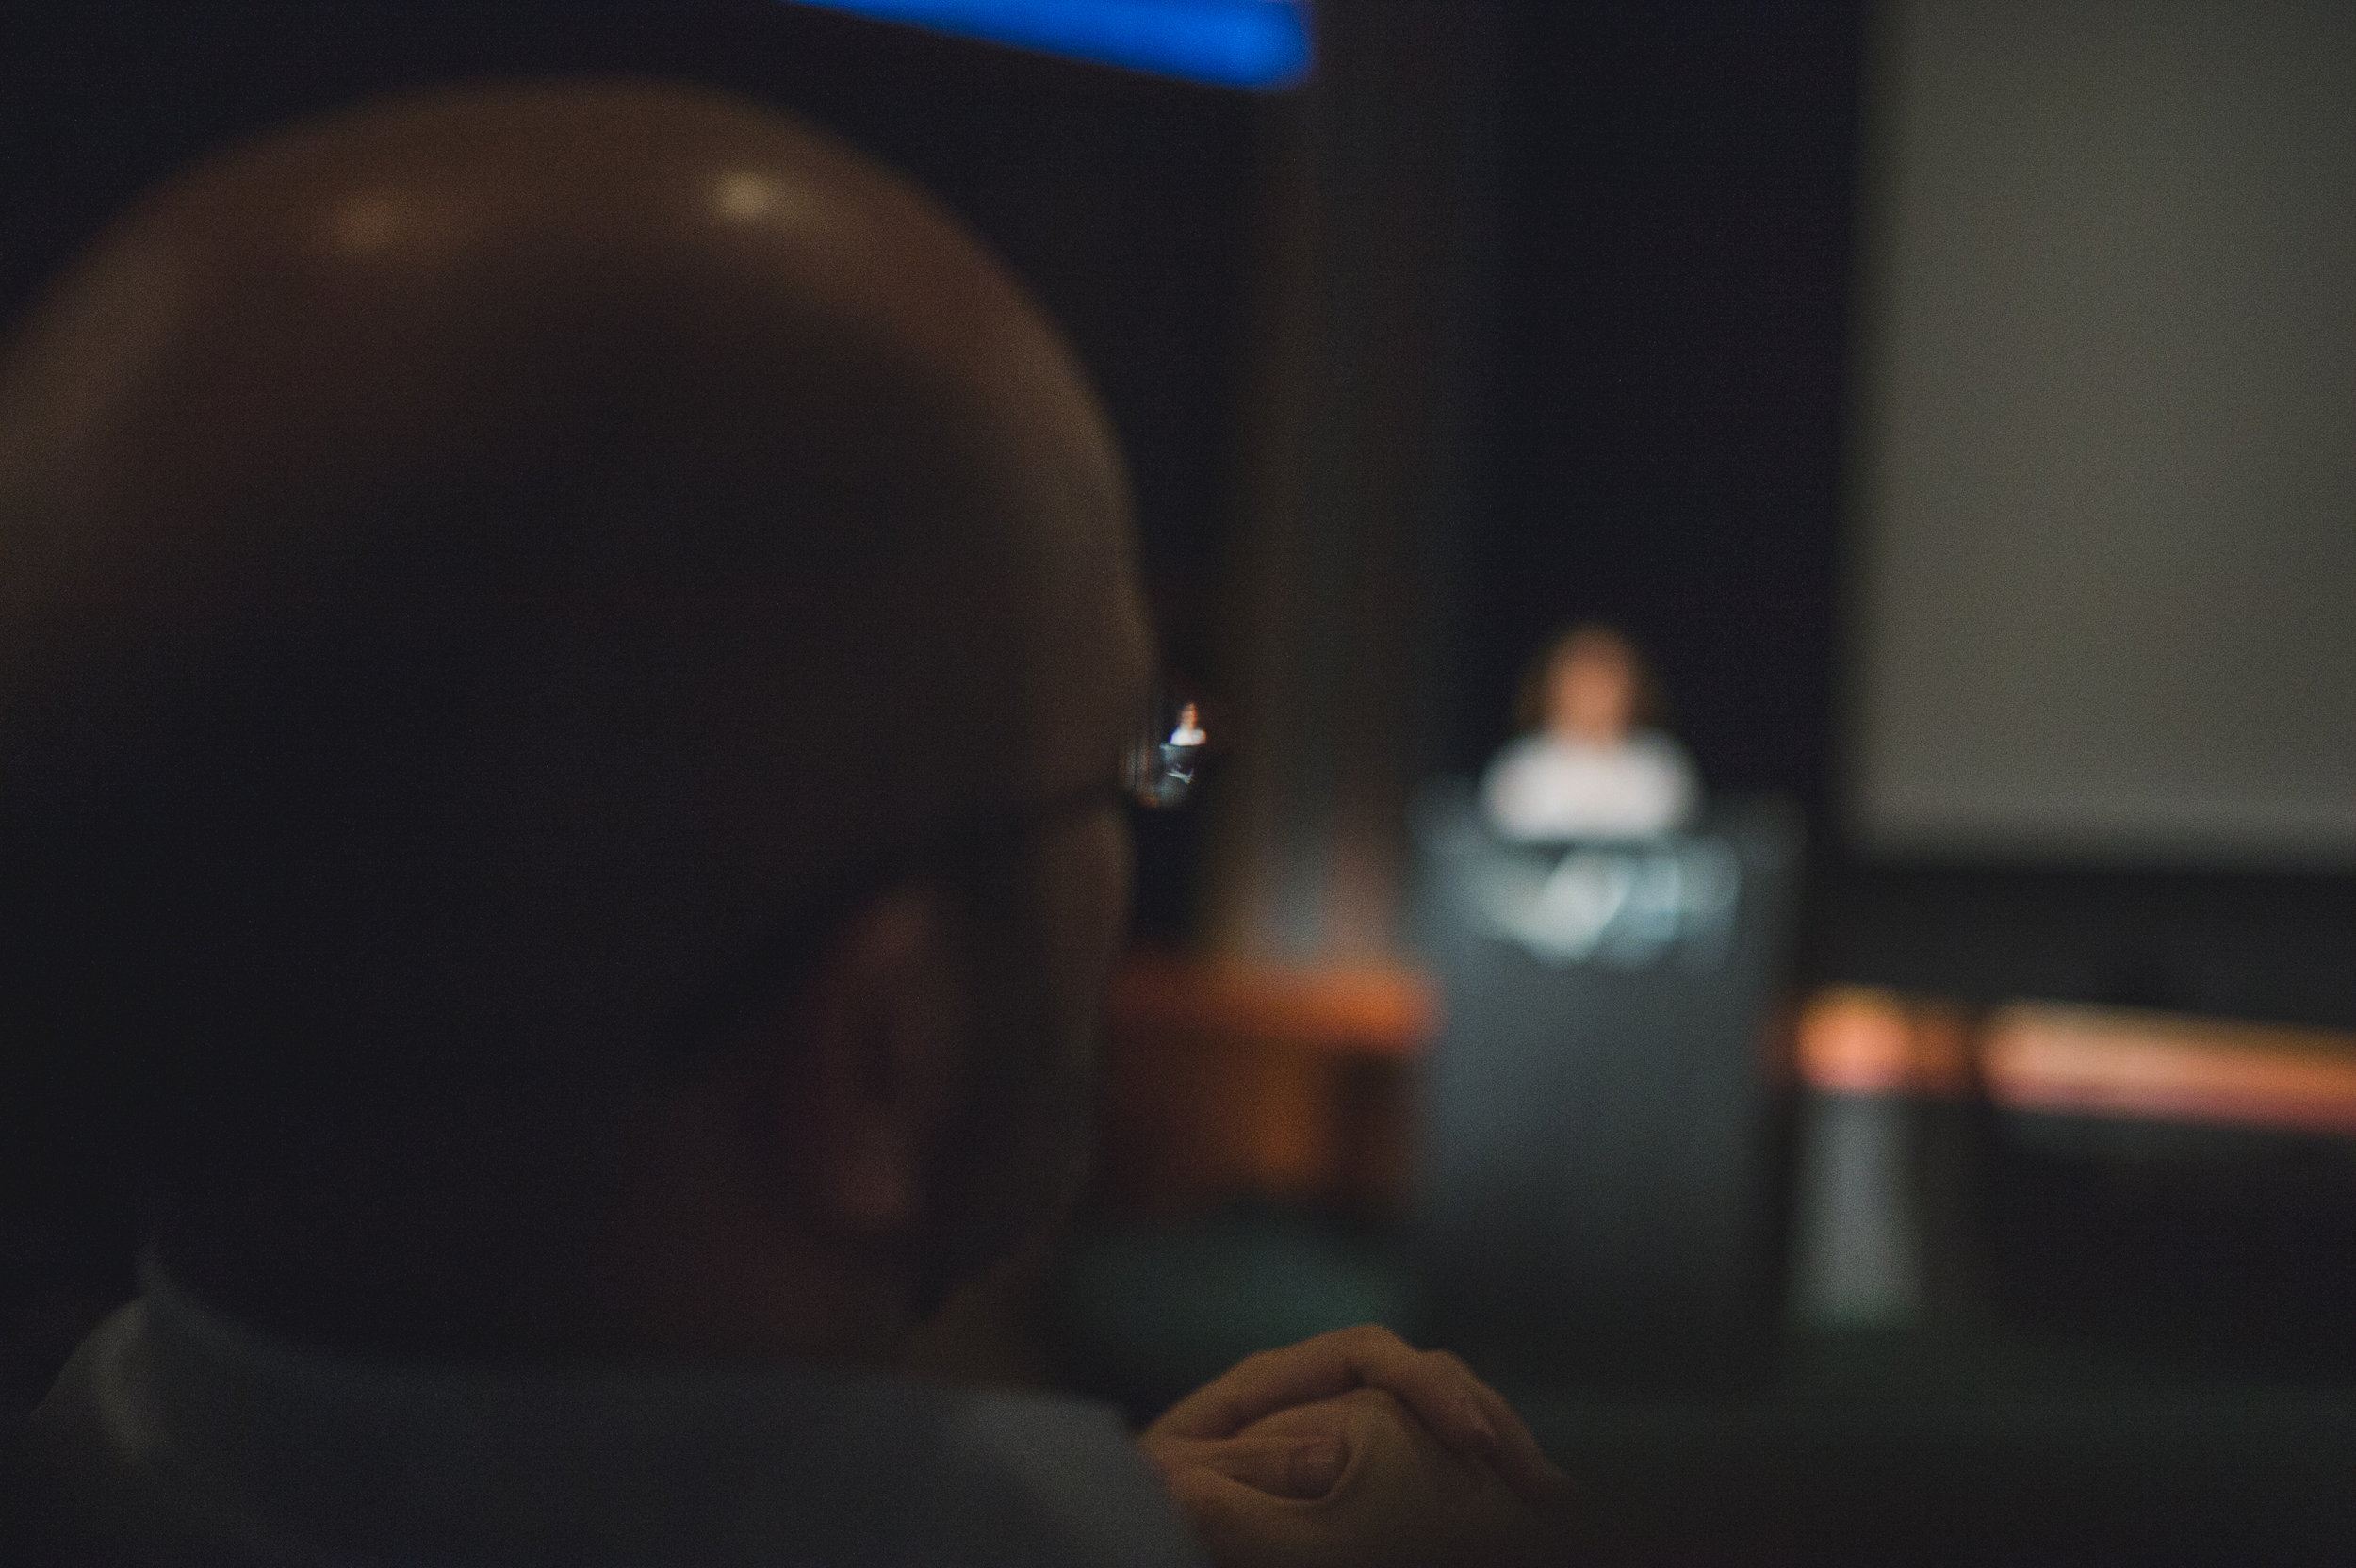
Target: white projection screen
(2103,602)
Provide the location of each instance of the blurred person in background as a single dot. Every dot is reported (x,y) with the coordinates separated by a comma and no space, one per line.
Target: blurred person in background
(1590,760)
(569,658)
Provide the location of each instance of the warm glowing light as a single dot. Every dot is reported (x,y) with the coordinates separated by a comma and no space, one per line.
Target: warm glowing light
(1854,1040)
(2069,1060)
(1249,43)
(1365,1011)
(2110,1061)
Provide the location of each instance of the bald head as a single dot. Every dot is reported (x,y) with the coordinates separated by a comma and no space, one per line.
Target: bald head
(617,339)
(578,282)
(466,565)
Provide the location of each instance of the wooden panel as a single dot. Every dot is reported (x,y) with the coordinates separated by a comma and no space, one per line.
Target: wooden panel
(1227,1080)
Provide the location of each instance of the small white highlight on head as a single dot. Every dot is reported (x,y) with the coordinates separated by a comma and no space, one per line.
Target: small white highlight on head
(744,197)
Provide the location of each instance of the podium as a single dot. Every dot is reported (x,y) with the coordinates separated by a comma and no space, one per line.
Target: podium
(1606,1116)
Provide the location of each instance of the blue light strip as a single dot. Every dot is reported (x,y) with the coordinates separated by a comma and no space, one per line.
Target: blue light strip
(1253,44)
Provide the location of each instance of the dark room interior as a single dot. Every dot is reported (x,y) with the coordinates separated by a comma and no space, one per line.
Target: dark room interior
(1993,1198)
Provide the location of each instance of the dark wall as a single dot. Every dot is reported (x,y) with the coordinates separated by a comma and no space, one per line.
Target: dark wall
(1674,256)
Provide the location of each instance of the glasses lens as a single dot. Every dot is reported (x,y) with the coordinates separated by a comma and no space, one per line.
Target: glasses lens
(1167,752)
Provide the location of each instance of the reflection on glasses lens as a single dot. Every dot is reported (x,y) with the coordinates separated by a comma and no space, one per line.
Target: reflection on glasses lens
(1167,753)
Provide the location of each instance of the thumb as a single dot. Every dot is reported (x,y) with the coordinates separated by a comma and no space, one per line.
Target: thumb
(1242,1527)
(1299,1468)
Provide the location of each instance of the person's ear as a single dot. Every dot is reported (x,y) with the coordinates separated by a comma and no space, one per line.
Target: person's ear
(878,1035)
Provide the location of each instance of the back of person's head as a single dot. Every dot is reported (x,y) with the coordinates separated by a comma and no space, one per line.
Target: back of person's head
(1594,647)
(483,580)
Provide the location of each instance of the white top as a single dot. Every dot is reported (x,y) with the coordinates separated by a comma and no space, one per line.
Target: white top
(1544,787)
(175,1435)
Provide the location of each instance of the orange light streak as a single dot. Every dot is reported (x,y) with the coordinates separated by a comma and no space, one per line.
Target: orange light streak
(1372,1011)
(2108,1061)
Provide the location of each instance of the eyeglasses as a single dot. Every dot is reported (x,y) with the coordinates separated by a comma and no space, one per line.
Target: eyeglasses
(1160,765)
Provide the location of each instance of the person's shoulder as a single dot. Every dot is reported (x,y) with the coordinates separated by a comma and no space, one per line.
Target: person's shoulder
(1659,748)
(1658,743)
(1534,746)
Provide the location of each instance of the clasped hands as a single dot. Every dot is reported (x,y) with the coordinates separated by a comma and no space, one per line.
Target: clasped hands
(1354,1448)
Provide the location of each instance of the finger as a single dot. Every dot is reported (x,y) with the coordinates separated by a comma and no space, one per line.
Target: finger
(1516,1456)
(1463,1411)
(1302,1470)
(1241,1527)
(1255,1386)
(1439,1389)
